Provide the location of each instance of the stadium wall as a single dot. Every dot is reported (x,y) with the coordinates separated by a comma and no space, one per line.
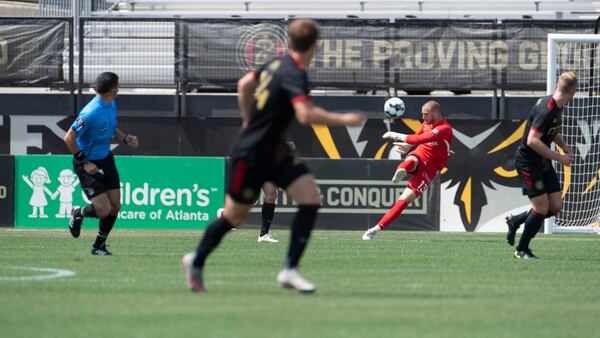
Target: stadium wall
(473,187)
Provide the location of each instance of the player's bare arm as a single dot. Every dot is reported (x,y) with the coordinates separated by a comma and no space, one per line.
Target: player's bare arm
(246,88)
(71,142)
(307,112)
(562,144)
(128,139)
(534,140)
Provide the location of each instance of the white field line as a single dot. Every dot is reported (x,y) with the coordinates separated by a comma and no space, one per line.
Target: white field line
(52,273)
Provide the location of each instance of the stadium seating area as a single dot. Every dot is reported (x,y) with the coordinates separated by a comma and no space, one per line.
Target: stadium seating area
(538,9)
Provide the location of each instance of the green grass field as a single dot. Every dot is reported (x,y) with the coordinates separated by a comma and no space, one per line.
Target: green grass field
(402,284)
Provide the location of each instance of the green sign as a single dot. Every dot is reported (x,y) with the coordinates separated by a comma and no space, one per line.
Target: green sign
(156,192)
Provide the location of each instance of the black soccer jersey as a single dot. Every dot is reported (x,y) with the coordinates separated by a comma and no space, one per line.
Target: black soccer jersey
(545,117)
(280,83)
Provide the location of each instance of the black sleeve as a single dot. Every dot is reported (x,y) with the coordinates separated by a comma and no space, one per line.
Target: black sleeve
(296,86)
(541,120)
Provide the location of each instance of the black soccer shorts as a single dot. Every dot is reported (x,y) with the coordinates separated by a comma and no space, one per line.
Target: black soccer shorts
(247,176)
(107,177)
(539,181)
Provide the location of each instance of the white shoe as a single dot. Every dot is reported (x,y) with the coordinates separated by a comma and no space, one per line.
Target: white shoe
(291,279)
(399,175)
(369,234)
(267,239)
(193,275)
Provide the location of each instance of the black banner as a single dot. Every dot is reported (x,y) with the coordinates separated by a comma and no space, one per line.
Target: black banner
(7,186)
(405,54)
(31,51)
(356,194)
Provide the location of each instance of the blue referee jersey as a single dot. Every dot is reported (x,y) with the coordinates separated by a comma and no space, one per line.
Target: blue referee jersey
(95,126)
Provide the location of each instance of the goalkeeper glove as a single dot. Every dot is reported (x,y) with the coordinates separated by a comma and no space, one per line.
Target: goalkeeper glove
(402,147)
(395,137)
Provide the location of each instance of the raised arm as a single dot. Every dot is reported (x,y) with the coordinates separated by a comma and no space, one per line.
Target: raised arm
(306,112)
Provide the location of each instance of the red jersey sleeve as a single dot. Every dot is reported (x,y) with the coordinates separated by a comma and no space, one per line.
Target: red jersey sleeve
(441,132)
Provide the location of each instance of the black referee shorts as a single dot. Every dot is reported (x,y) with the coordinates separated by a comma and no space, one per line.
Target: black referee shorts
(247,176)
(107,177)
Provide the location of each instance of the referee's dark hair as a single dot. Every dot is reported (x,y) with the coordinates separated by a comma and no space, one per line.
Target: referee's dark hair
(303,33)
(105,82)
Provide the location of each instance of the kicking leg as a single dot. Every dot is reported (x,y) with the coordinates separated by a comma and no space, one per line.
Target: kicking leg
(407,197)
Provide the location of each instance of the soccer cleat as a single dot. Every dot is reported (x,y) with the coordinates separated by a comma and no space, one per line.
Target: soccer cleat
(291,279)
(512,230)
(399,175)
(369,234)
(525,254)
(100,251)
(267,239)
(75,222)
(193,275)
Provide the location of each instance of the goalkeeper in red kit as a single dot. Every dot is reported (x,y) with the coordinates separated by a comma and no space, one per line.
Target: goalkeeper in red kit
(433,142)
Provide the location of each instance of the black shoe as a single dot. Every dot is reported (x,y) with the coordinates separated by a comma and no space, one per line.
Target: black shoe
(75,222)
(525,254)
(512,230)
(100,251)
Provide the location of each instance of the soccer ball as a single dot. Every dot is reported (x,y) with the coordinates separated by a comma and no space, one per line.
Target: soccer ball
(394,108)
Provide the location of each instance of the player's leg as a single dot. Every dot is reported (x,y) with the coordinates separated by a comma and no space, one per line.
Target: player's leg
(267,212)
(233,215)
(409,165)
(533,223)
(407,197)
(419,181)
(304,191)
(242,192)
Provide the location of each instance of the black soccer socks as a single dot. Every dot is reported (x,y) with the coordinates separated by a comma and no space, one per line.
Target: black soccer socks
(302,226)
(212,237)
(268,212)
(533,223)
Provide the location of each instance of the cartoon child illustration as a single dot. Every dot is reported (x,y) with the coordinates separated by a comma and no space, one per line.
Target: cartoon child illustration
(68,181)
(38,181)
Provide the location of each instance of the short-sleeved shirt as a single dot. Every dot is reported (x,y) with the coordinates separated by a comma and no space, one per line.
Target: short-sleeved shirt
(545,117)
(95,126)
(280,83)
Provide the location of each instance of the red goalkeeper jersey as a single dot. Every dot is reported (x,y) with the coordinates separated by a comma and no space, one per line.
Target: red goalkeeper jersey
(433,143)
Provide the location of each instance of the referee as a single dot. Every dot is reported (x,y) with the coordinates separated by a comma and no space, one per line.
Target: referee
(270,99)
(89,139)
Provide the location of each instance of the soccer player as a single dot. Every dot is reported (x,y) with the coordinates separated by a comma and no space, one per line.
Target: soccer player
(533,163)
(268,212)
(269,99)
(89,139)
(268,208)
(433,142)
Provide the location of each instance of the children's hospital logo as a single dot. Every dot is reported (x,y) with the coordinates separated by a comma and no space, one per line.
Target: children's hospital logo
(39,181)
